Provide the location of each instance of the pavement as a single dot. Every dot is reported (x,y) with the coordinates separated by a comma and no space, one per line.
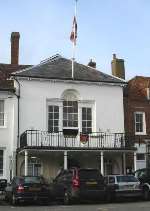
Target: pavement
(120,206)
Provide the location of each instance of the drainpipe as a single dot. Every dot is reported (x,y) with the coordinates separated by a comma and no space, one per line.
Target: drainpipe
(18,111)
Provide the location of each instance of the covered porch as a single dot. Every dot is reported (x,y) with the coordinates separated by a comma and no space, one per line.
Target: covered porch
(48,163)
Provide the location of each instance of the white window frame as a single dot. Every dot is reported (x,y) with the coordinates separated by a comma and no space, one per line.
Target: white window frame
(87,104)
(54,102)
(144,123)
(86,120)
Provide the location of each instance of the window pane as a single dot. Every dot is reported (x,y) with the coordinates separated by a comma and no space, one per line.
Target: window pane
(83,124)
(83,116)
(140,156)
(50,122)
(1,105)
(89,117)
(64,123)
(56,109)
(1,162)
(56,115)
(50,108)
(55,129)
(50,115)
(55,122)
(70,103)
(89,123)
(50,129)
(64,116)
(75,124)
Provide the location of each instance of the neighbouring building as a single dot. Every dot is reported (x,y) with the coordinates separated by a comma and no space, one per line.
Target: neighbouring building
(137,117)
(65,121)
(9,112)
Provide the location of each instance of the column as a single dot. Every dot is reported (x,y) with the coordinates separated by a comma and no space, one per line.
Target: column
(124,163)
(26,163)
(65,160)
(135,166)
(102,163)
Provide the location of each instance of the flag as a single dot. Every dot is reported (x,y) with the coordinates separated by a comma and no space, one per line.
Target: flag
(73,35)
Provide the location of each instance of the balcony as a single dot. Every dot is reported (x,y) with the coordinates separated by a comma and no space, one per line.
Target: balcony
(35,139)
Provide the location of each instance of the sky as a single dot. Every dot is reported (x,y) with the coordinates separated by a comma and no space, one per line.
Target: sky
(104,27)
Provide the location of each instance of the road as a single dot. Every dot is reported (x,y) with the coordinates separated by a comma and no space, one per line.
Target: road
(134,206)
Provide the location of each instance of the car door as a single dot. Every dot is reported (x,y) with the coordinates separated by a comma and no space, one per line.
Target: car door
(58,186)
(9,188)
(111,183)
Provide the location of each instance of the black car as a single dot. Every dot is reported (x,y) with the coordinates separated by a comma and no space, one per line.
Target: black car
(27,188)
(76,184)
(144,177)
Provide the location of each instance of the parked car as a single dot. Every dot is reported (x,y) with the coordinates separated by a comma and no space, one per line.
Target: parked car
(78,184)
(144,177)
(3,184)
(27,188)
(122,186)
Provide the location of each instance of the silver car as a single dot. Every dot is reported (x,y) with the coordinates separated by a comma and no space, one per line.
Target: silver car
(122,186)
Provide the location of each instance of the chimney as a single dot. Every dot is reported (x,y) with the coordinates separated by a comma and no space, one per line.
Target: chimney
(92,63)
(117,66)
(15,47)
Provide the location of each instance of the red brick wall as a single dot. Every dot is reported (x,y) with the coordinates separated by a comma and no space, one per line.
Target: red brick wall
(135,99)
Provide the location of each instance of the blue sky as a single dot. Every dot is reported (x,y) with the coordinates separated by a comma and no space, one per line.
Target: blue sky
(104,27)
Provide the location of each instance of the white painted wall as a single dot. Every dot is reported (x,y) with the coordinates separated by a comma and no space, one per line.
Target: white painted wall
(107,99)
(7,135)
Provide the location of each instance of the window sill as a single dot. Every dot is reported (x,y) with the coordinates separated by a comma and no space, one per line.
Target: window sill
(3,127)
(139,134)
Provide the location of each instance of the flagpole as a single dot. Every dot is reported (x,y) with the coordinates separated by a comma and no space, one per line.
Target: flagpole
(73,47)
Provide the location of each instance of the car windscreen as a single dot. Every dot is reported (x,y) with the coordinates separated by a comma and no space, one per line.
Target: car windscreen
(89,174)
(29,180)
(126,179)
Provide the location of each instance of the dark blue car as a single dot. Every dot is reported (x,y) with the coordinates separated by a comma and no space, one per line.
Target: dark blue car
(27,189)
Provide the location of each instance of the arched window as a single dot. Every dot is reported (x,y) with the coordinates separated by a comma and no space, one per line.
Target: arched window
(34,167)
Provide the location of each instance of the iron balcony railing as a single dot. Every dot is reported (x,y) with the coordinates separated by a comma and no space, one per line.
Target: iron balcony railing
(97,140)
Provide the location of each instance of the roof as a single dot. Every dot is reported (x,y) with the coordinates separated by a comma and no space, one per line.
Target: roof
(58,67)
(7,85)
(5,71)
(137,88)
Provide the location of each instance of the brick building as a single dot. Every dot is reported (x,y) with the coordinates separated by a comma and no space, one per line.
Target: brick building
(137,116)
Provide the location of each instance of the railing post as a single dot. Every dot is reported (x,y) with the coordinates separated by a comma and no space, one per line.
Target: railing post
(102,163)
(124,163)
(65,160)
(26,163)
(135,165)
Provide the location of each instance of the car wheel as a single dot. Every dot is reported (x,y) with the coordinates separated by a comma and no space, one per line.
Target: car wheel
(14,200)
(146,194)
(67,198)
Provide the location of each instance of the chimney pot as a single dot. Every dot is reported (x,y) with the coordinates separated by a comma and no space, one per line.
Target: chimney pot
(92,63)
(114,56)
(15,47)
